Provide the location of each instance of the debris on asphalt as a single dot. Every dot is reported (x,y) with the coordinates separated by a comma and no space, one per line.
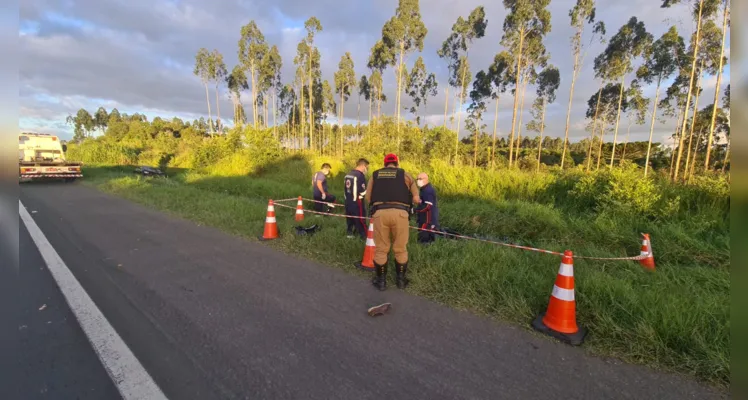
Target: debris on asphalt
(42,307)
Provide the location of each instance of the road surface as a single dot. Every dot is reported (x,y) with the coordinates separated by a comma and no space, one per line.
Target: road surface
(212,316)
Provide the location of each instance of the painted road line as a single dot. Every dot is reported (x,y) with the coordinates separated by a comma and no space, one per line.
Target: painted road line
(128,375)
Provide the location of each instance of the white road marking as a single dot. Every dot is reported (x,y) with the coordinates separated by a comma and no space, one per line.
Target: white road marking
(131,379)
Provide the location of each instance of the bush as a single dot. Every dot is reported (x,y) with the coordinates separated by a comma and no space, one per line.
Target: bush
(103,152)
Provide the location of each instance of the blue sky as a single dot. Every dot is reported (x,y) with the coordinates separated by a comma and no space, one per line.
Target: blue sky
(138,55)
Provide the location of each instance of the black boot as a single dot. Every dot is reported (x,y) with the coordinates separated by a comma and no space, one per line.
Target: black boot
(380,280)
(402,269)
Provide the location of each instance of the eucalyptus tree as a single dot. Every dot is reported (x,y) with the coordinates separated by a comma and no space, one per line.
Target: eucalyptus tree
(402,34)
(205,70)
(236,81)
(703,9)
(420,86)
(270,77)
(481,91)
(547,84)
(456,50)
(631,41)
(500,75)
(345,79)
(219,76)
(252,49)
(525,25)
(637,113)
(725,24)
(581,14)
(660,63)
(363,90)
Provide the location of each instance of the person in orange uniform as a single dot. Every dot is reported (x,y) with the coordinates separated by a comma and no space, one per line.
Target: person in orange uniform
(391,193)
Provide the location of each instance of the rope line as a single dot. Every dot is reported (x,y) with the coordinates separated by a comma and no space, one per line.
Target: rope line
(514,246)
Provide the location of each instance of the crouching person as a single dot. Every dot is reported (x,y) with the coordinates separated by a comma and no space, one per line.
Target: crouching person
(428,211)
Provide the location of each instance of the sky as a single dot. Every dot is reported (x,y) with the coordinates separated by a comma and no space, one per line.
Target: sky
(138,55)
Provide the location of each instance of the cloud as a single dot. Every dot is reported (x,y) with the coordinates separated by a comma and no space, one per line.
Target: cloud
(138,55)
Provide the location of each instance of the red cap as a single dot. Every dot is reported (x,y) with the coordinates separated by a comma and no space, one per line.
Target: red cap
(391,158)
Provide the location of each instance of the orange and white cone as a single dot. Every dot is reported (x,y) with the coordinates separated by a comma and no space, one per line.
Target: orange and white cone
(299,210)
(649,261)
(367,264)
(271,226)
(560,320)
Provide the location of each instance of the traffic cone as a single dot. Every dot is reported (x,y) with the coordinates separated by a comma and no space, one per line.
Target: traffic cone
(271,226)
(367,264)
(560,320)
(649,261)
(299,210)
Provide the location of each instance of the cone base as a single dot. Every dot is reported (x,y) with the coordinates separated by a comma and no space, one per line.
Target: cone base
(574,339)
(361,266)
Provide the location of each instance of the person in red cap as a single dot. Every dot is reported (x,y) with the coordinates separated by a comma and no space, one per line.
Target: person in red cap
(391,193)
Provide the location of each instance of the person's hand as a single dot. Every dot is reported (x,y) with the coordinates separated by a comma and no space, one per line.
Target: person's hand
(416,199)
(324,196)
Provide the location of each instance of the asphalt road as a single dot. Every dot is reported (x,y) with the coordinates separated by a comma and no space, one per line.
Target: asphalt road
(211,316)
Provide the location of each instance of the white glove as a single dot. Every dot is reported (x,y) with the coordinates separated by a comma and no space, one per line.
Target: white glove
(324,196)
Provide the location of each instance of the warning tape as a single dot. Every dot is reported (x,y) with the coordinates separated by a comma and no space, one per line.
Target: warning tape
(514,246)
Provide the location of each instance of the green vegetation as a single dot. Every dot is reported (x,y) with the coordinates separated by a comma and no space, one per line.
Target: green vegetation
(592,197)
(675,318)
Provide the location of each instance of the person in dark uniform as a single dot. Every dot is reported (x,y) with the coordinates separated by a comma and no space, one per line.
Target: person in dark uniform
(391,192)
(319,189)
(355,190)
(428,211)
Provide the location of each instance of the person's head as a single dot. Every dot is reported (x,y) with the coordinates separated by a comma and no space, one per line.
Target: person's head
(362,165)
(326,169)
(422,180)
(391,160)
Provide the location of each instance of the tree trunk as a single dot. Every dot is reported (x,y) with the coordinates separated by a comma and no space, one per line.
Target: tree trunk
(727,158)
(358,116)
(540,144)
(594,126)
(369,122)
(218,109)
(571,98)
(618,119)
(521,111)
(475,147)
(690,89)
(628,134)
(311,101)
(651,127)
(493,143)
(516,92)
(399,88)
(689,173)
(275,115)
(446,104)
(602,142)
(693,123)
(676,136)
(210,117)
(459,107)
(716,90)
(254,94)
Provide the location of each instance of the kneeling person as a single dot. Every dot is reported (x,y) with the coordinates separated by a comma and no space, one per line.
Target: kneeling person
(428,211)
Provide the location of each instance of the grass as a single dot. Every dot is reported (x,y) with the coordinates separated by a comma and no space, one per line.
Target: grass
(676,318)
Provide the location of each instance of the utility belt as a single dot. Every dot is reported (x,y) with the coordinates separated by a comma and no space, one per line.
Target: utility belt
(387,206)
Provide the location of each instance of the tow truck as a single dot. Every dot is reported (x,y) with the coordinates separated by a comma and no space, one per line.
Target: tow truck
(42,156)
